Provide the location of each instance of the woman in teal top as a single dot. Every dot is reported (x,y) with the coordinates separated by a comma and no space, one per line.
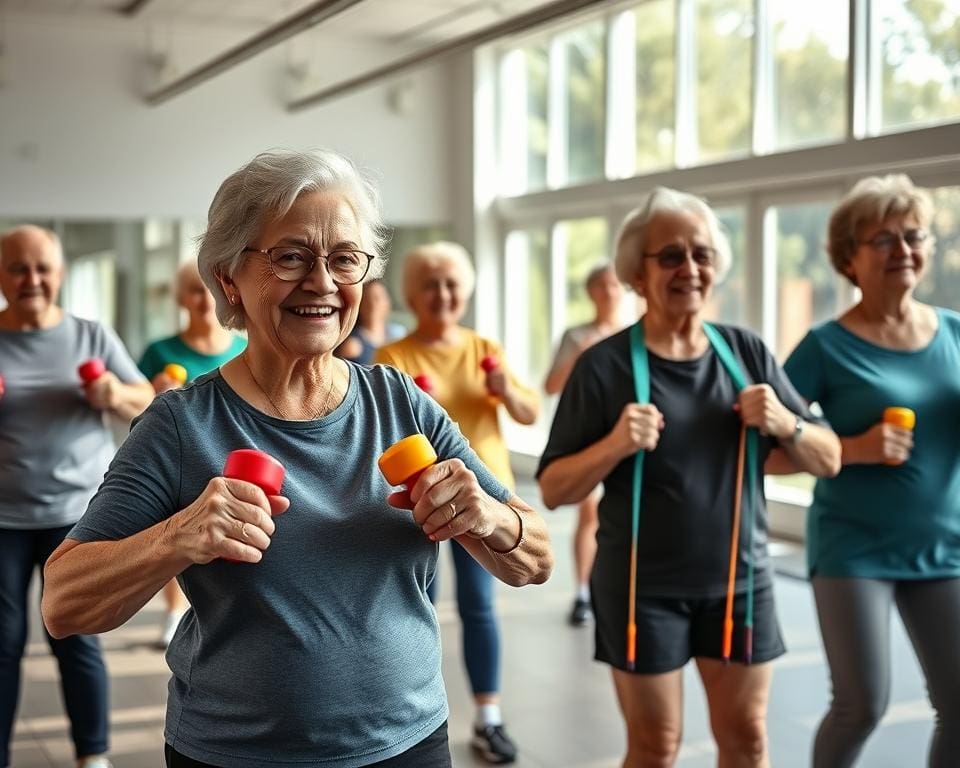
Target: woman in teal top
(201,347)
(886,530)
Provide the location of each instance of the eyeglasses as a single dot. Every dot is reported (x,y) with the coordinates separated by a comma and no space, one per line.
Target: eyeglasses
(884,242)
(295,262)
(673,256)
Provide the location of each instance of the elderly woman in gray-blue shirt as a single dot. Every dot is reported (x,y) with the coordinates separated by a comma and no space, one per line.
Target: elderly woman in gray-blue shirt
(320,646)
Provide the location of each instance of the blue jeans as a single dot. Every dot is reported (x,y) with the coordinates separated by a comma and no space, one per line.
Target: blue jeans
(481,640)
(82,672)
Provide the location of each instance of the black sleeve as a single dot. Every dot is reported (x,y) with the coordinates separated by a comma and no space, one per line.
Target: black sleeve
(771,372)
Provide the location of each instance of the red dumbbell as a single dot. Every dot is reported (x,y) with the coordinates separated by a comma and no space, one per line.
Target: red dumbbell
(424,382)
(488,364)
(255,467)
(2,387)
(91,370)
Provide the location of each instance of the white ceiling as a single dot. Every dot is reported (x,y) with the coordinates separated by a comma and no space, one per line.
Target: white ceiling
(399,21)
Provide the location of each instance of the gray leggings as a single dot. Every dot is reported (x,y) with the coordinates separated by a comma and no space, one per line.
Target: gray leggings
(855,625)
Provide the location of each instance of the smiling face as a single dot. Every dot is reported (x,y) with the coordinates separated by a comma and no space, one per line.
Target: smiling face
(675,292)
(884,261)
(438,296)
(307,317)
(31,272)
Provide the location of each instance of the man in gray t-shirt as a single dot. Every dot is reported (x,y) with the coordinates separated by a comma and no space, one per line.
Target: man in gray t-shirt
(54,450)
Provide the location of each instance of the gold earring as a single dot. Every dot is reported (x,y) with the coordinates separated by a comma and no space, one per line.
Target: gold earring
(232,299)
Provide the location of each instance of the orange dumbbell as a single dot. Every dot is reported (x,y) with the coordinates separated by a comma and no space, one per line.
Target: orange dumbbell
(904,418)
(403,462)
(176,372)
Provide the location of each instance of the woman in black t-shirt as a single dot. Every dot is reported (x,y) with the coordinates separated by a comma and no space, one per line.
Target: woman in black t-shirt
(671,251)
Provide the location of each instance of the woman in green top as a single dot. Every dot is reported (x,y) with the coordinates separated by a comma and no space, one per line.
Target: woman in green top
(886,530)
(202,346)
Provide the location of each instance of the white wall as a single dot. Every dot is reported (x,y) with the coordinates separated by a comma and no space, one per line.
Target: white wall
(77,139)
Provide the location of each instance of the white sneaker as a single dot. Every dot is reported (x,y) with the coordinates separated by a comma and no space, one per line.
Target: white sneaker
(170,623)
(100,761)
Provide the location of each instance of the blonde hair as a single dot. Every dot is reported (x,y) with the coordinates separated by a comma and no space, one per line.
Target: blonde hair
(873,200)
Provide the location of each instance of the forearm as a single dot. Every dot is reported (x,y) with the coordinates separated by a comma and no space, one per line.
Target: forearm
(130,400)
(853,451)
(97,586)
(558,376)
(522,407)
(570,479)
(817,451)
(518,552)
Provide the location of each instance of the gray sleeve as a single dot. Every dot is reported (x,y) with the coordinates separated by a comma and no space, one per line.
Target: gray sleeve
(142,485)
(447,439)
(565,350)
(117,359)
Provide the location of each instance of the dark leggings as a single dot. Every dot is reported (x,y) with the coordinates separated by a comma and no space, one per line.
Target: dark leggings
(481,639)
(432,752)
(83,677)
(855,625)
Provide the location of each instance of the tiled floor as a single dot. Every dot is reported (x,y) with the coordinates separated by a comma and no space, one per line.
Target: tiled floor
(558,703)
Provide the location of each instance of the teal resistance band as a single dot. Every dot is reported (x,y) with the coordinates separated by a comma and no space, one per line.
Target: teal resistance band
(641,381)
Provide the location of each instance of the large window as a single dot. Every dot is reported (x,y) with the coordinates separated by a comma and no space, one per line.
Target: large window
(771,110)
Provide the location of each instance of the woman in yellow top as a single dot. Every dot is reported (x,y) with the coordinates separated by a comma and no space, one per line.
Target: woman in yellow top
(466,374)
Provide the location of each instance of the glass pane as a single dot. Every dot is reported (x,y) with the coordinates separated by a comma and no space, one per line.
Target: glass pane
(536,59)
(656,82)
(584,243)
(941,283)
(729,300)
(810,66)
(807,286)
(920,61)
(527,305)
(527,316)
(584,56)
(724,42)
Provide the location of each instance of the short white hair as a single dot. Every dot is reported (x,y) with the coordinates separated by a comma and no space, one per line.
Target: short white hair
(431,255)
(265,189)
(32,230)
(631,237)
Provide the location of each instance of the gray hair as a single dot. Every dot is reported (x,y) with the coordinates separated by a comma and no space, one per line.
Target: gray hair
(433,254)
(25,230)
(631,237)
(873,200)
(265,189)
